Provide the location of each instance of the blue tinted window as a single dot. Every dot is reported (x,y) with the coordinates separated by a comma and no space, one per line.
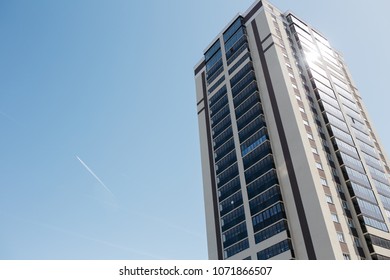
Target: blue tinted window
(233,218)
(230,203)
(234,235)
(229,188)
(227,175)
(274,250)
(264,200)
(232,29)
(253,142)
(261,184)
(234,39)
(236,248)
(268,217)
(270,231)
(216,57)
(228,160)
(212,50)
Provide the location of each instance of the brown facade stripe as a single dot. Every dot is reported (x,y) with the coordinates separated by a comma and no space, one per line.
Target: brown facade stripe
(337,226)
(344,248)
(326,190)
(321,173)
(212,172)
(201,65)
(266,37)
(197,104)
(267,48)
(253,11)
(332,208)
(201,110)
(286,152)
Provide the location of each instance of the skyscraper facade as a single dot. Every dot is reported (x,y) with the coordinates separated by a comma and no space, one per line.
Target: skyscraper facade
(292,167)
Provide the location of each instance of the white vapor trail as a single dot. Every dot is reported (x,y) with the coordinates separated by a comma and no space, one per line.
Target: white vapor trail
(94,175)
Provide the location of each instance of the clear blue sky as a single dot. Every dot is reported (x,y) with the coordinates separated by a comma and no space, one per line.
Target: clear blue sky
(99,149)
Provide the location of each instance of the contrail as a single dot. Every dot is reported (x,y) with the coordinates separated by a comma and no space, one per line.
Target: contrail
(94,175)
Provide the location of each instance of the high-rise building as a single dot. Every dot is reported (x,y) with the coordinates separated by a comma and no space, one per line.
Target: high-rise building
(292,167)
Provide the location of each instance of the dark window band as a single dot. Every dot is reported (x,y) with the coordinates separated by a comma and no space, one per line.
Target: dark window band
(253,11)
(197,70)
(201,110)
(267,48)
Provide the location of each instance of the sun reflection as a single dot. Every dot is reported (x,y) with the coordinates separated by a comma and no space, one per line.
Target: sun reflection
(312,57)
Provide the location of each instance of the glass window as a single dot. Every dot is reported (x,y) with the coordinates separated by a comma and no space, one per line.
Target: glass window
(239,62)
(221,147)
(212,50)
(227,175)
(352,162)
(235,43)
(225,162)
(340,188)
(268,217)
(258,169)
(216,58)
(237,50)
(329,199)
(357,242)
(249,90)
(346,256)
(297,22)
(218,95)
(370,209)
(261,184)
(254,141)
(270,231)
(243,83)
(234,235)
(233,218)
(230,203)
(264,200)
(216,84)
(378,241)
(241,73)
(229,189)
(340,237)
(232,29)
(236,248)
(363,192)
(319,166)
(221,126)
(335,218)
(274,250)
(256,154)
(375,223)
(382,188)
(249,103)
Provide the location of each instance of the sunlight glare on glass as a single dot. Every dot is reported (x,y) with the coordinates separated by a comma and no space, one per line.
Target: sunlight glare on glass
(312,57)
